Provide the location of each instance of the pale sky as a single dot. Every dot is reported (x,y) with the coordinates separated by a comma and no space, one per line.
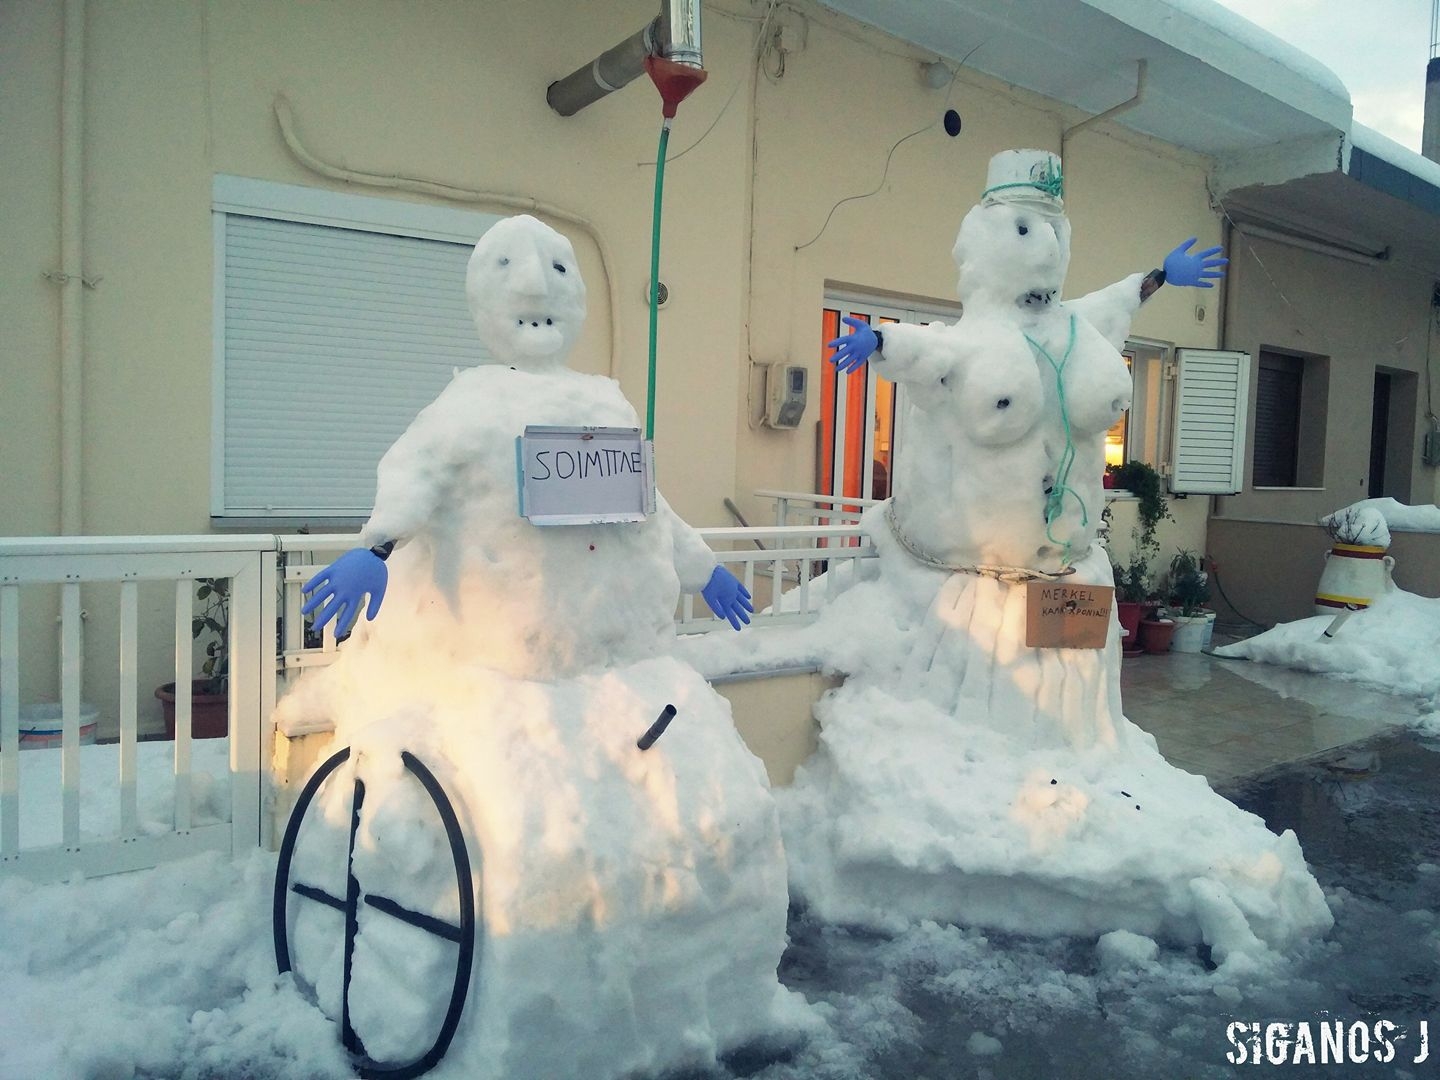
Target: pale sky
(1378,48)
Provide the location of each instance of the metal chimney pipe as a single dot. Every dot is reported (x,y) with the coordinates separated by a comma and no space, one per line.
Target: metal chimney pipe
(673,34)
(680,22)
(1430,133)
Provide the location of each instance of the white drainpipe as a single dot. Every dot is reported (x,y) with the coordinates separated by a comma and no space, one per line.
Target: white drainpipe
(69,278)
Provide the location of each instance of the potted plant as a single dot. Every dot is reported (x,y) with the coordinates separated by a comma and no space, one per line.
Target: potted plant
(1142,481)
(1132,588)
(209,695)
(1188,591)
(1157,635)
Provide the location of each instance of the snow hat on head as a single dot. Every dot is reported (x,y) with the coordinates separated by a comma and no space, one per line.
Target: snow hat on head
(1028,177)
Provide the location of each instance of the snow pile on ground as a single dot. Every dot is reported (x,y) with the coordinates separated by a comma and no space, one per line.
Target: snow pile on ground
(964,777)
(168,972)
(1393,644)
(1397,516)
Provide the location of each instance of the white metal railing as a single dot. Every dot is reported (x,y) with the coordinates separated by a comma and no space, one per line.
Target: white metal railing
(827,554)
(810,508)
(817,560)
(73,563)
(266,573)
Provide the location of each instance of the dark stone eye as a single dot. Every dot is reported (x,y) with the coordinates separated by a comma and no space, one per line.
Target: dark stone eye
(944,380)
(1022,229)
(1003,403)
(560,267)
(504,260)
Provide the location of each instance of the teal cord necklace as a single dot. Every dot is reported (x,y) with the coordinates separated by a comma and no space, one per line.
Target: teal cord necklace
(1055,504)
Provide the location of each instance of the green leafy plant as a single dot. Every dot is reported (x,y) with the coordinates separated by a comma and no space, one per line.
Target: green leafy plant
(1132,580)
(1142,481)
(1189,584)
(213,619)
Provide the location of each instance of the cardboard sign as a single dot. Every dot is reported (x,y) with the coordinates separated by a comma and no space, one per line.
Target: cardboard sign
(1065,616)
(584,475)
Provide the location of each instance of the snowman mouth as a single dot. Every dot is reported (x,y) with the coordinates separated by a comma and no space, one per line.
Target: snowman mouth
(535,322)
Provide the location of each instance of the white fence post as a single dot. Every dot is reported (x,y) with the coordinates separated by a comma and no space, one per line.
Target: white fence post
(9,719)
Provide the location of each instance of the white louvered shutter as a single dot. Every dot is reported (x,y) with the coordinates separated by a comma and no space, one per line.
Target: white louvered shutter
(1212,391)
(332,340)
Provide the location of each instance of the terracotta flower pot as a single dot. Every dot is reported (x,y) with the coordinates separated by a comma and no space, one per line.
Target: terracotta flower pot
(1129,615)
(209,713)
(1156,635)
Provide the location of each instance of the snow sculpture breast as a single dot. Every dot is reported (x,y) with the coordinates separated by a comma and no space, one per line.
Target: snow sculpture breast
(1003,457)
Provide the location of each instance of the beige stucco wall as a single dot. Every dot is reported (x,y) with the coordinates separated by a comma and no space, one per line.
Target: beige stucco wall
(454,91)
(1283,299)
(823,131)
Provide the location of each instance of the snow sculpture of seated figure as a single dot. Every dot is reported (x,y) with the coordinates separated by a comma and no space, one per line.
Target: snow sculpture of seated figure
(1022,388)
(632,901)
(470,574)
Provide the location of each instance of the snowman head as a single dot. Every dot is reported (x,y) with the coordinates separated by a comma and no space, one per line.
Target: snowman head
(1016,243)
(525,293)
(1007,251)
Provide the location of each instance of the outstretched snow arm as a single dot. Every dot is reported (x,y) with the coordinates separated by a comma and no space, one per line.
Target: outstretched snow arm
(416,473)
(1111,309)
(412,480)
(901,352)
(700,572)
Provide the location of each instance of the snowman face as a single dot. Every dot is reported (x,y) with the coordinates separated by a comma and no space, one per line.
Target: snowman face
(525,293)
(1006,251)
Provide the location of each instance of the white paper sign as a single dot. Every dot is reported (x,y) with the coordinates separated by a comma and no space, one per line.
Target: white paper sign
(585,475)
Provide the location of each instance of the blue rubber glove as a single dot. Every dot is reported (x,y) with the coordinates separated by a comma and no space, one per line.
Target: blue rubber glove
(727,598)
(853,349)
(1200,268)
(343,584)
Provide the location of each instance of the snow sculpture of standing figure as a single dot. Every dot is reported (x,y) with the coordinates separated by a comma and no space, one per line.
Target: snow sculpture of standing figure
(633,901)
(1026,384)
(962,774)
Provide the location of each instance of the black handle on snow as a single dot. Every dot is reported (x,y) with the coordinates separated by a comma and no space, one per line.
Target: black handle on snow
(657,728)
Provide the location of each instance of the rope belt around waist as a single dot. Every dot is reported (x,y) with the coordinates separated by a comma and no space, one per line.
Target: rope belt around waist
(1010,574)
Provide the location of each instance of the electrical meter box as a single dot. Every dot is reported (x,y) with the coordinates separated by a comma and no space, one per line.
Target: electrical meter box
(784,394)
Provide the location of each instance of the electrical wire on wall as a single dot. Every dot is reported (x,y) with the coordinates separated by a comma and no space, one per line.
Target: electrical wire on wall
(885,173)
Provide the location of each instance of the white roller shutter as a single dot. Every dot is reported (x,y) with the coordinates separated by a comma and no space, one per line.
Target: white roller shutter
(330,340)
(1211,405)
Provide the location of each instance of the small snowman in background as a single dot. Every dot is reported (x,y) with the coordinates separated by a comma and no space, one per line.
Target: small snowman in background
(467,571)
(1004,458)
(1357,569)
